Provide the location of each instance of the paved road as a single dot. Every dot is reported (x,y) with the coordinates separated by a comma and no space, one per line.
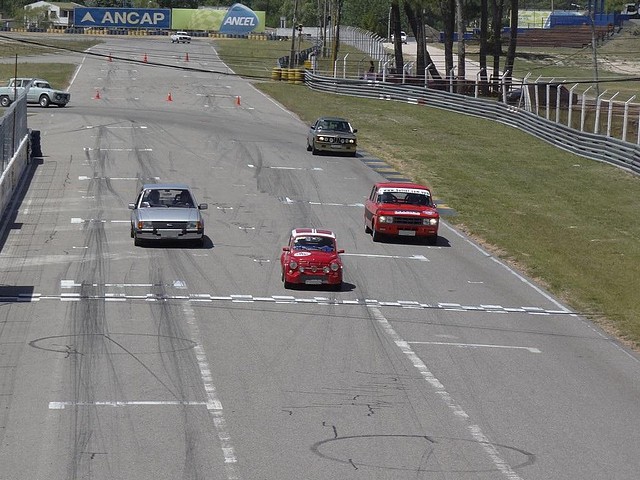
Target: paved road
(178,362)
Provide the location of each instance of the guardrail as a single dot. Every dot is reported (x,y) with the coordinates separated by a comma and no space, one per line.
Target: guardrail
(593,146)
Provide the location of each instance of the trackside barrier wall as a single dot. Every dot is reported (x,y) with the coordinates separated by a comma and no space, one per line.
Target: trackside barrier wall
(593,146)
(15,149)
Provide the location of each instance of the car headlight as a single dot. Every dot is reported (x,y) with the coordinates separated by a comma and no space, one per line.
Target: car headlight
(351,140)
(194,225)
(293,265)
(321,138)
(144,225)
(386,219)
(430,221)
(335,266)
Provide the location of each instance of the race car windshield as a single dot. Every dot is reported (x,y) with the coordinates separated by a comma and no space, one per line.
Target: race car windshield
(322,244)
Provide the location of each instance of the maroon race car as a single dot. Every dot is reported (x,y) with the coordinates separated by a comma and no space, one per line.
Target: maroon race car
(311,258)
(401,209)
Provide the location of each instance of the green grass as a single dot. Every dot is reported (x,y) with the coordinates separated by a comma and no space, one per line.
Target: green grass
(40,44)
(57,74)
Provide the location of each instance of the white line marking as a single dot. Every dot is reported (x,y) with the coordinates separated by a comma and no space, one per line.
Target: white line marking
(89,149)
(214,406)
(63,405)
(315,169)
(84,177)
(421,258)
(114,127)
(360,205)
(479,345)
(457,410)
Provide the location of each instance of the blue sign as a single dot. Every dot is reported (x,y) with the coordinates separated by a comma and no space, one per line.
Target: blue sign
(239,20)
(122,17)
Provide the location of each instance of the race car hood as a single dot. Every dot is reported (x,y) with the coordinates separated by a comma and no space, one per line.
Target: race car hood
(336,133)
(417,210)
(173,214)
(306,257)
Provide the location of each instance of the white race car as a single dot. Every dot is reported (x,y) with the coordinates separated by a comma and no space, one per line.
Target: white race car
(180,37)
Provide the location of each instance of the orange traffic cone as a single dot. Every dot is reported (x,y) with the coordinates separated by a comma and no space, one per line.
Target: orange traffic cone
(97,97)
(186,57)
(145,58)
(169,99)
(238,100)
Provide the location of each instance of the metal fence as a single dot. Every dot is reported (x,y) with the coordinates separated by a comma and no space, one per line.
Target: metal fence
(13,129)
(590,145)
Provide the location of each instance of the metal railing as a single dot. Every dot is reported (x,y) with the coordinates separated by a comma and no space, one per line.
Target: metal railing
(590,145)
(13,129)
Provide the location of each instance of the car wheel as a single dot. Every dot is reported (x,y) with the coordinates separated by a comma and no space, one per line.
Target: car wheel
(200,242)
(44,101)
(308,147)
(4,101)
(337,287)
(375,235)
(133,235)
(137,241)
(314,150)
(354,154)
(366,227)
(432,240)
(288,285)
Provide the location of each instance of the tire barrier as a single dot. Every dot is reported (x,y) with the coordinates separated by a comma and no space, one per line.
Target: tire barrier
(276,73)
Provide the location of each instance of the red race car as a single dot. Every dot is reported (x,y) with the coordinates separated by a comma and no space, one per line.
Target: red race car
(311,258)
(401,209)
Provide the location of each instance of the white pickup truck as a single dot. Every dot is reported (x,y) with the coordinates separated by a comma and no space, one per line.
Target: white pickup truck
(38,91)
(180,37)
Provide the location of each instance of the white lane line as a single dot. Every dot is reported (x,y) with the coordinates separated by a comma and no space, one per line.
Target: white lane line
(84,177)
(326,204)
(289,201)
(90,149)
(314,169)
(115,127)
(243,298)
(478,345)
(214,405)
(63,405)
(94,220)
(457,410)
(421,258)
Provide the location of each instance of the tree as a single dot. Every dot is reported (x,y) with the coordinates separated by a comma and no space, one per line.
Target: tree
(397,40)
(496,28)
(484,35)
(513,40)
(415,16)
(460,24)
